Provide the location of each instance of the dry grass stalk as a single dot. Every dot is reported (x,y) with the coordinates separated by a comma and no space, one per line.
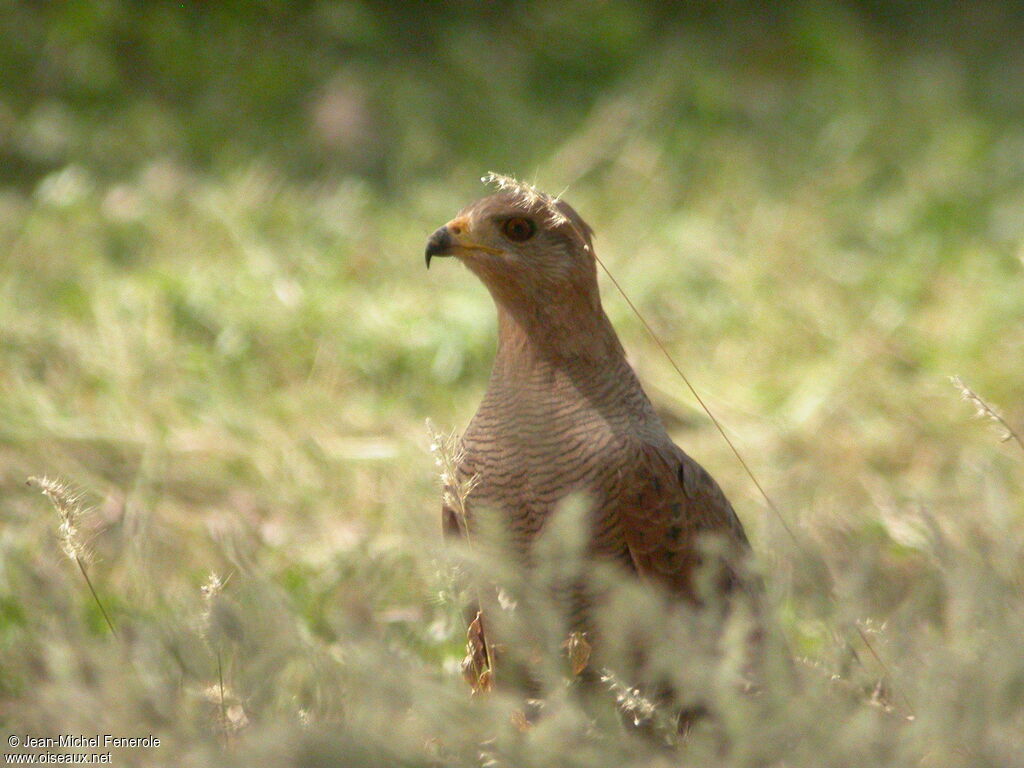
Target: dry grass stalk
(528,194)
(211,591)
(71,509)
(478,665)
(985,411)
(631,702)
(447,455)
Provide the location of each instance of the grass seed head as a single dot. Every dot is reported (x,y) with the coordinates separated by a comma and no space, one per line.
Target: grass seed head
(984,410)
(71,509)
(527,194)
(448,455)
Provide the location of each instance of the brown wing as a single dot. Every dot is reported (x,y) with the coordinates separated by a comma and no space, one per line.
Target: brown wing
(675,508)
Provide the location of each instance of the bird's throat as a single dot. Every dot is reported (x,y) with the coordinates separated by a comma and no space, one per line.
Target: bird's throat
(533,340)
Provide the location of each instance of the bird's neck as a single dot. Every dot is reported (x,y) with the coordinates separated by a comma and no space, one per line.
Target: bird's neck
(549,367)
(531,340)
(556,372)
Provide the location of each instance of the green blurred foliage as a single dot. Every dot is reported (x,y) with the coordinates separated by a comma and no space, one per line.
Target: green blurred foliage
(393,89)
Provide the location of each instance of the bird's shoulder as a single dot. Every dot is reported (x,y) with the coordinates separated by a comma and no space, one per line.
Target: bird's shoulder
(671,506)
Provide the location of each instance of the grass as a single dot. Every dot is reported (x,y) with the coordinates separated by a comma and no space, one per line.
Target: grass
(236,362)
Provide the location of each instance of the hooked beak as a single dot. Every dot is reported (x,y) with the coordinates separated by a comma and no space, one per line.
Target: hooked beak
(450,240)
(439,244)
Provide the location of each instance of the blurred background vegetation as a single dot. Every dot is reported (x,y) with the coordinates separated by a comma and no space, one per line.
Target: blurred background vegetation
(214,319)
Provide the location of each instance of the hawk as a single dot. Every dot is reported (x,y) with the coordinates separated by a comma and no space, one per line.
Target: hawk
(564,412)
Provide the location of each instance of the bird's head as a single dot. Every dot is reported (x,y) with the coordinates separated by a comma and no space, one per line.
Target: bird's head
(528,248)
(536,257)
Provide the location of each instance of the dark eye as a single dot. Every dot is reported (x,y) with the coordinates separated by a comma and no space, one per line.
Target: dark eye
(518,229)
